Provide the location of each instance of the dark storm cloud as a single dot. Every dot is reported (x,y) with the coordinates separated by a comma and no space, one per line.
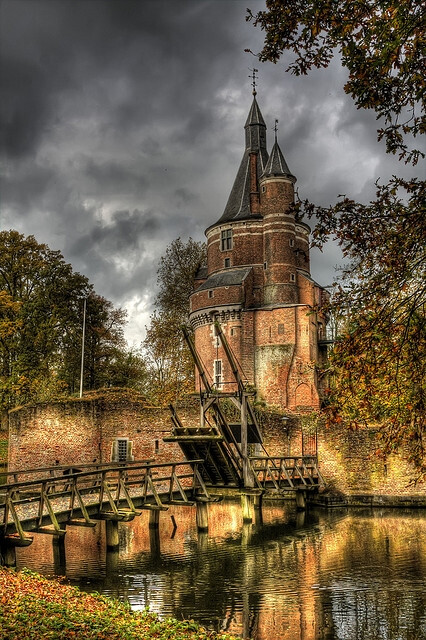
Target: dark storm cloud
(122,126)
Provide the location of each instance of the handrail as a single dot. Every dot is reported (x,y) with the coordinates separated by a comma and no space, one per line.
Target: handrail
(133,466)
(64,467)
(117,489)
(286,472)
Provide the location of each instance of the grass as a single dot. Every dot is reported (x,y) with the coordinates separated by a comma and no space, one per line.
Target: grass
(34,607)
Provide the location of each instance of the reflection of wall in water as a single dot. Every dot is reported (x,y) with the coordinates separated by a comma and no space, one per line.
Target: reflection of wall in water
(316,579)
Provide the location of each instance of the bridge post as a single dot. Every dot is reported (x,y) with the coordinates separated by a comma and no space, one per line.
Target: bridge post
(8,554)
(247,506)
(59,557)
(154,542)
(202,516)
(112,538)
(247,472)
(301,500)
(154,519)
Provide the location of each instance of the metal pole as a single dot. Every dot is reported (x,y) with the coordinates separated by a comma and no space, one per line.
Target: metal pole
(82,348)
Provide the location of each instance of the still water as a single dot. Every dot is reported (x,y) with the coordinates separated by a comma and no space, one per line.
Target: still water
(346,575)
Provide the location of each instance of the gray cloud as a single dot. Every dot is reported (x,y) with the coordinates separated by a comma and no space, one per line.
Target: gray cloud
(123,129)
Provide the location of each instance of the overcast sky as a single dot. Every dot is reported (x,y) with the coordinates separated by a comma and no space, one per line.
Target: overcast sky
(122,127)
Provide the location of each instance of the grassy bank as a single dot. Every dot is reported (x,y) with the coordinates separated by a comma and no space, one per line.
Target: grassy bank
(33,607)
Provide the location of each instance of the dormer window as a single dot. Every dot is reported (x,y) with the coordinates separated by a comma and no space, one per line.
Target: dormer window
(226,240)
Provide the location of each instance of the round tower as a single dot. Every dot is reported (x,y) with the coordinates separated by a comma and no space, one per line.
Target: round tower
(279,231)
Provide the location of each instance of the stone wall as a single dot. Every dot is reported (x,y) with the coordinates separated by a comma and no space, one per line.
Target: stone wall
(83,431)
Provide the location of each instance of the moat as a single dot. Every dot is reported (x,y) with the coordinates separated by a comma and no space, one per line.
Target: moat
(325,575)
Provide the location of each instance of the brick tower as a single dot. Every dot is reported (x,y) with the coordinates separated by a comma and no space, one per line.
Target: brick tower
(257,283)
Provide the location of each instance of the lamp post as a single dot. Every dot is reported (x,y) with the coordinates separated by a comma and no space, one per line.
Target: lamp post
(82,347)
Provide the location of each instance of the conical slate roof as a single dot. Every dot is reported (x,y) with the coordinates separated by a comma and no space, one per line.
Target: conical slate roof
(276,165)
(238,205)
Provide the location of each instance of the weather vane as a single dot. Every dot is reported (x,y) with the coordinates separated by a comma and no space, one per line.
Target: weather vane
(253,77)
(276,128)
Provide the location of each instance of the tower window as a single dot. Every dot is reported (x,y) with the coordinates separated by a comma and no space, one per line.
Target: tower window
(280,329)
(217,373)
(292,277)
(227,262)
(263,189)
(265,265)
(291,242)
(226,239)
(211,293)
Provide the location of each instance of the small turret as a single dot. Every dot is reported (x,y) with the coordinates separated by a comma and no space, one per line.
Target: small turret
(280,262)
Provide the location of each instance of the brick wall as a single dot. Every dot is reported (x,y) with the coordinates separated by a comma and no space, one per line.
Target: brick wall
(349,462)
(247,245)
(82,431)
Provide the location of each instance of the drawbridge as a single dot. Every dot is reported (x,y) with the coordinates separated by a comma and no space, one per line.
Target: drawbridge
(233,451)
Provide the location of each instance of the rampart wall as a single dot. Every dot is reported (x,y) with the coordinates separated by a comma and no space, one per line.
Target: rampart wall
(83,431)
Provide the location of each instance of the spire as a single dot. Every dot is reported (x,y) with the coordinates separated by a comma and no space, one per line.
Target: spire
(276,165)
(239,205)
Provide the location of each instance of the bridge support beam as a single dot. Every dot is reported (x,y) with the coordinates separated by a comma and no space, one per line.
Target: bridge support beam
(301,500)
(202,516)
(112,537)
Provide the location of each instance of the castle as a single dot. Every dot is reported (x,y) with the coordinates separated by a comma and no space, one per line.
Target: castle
(257,283)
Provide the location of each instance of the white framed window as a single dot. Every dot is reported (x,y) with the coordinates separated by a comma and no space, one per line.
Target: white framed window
(226,239)
(121,450)
(217,373)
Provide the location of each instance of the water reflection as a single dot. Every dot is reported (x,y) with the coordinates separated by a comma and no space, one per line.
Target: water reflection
(342,575)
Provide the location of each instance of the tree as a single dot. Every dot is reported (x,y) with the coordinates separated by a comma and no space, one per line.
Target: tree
(377,367)
(172,370)
(175,276)
(41,317)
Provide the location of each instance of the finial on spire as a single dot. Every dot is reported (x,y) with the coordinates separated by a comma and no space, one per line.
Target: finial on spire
(276,128)
(253,77)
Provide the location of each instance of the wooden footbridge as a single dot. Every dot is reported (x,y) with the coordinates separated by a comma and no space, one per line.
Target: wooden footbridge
(219,455)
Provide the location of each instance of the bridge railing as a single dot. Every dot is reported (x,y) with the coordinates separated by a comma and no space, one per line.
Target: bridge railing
(111,492)
(21,475)
(286,472)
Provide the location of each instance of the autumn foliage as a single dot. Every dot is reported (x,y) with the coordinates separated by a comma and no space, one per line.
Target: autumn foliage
(377,368)
(33,607)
